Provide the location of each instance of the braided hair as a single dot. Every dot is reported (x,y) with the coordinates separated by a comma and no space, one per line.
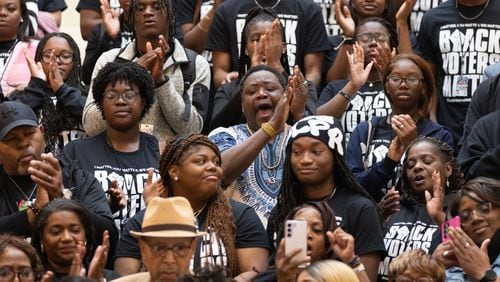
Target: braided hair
(254,16)
(291,192)
(56,119)
(165,6)
(219,217)
(445,152)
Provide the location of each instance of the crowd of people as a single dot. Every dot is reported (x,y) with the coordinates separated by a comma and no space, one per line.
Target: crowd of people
(189,137)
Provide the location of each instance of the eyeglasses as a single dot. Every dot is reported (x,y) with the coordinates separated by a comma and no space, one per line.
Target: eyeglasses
(366,38)
(410,81)
(24,274)
(483,209)
(65,57)
(159,250)
(128,96)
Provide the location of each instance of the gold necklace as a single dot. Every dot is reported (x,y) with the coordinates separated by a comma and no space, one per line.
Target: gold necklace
(280,155)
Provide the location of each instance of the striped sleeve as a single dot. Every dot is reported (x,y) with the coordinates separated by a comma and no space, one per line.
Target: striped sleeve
(32,28)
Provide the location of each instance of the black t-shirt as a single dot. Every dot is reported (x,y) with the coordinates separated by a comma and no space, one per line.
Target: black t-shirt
(249,234)
(410,228)
(460,49)
(303,22)
(369,101)
(421,7)
(96,156)
(328,12)
(358,216)
(51,5)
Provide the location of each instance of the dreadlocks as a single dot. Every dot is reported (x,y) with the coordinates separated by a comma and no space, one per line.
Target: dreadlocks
(164,5)
(56,119)
(254,16)
(445,152)
(292,194)
(129,72)
(219,216)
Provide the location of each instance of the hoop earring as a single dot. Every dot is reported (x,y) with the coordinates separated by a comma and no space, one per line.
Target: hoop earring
(41,248)
(447,182)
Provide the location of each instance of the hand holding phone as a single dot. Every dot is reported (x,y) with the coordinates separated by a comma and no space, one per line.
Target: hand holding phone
(296,238)
(445,228)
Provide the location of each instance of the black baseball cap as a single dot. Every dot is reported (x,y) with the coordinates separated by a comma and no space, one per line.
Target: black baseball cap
(14,114)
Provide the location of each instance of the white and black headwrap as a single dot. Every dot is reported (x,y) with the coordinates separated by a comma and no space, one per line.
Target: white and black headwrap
(324,128)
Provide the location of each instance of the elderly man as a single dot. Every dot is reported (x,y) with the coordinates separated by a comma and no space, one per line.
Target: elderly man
(167,243)
(29,179)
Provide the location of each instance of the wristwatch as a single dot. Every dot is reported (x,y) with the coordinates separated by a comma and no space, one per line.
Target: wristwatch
(489,276)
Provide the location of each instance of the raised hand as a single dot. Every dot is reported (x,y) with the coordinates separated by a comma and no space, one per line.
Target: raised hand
(474,260)
(287,266)
(405,10)
(281,110)
(117,199)
(383,57)
(299,87)
(356,60)
(434,201)
(47,174)
(96,268)
(273,46)
(55,78)
(258,56)
(47,276)
(153,189)
(153,59)
(344,18)
(36,69)
(389,203)
(110,19)
(77,268)
(405,128)
(342,244)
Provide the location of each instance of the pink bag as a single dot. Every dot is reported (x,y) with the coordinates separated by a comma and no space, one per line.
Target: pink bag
(17,73)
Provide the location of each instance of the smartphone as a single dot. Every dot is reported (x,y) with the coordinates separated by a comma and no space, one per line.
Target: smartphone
(296,238)
(445,227)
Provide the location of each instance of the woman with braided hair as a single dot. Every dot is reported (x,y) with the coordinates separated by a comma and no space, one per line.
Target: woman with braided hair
(315,170)
(191,167)
(55,91)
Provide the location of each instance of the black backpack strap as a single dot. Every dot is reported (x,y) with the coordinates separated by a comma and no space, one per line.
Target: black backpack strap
(188,75)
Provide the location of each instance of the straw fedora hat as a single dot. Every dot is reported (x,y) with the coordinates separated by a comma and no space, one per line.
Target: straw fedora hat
(168,218)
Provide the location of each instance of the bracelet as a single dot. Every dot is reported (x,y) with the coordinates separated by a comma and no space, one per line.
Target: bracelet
(345,40)
(167,78)
(202,29)
(33,207)
(348,98)
(355,262)
(269,129)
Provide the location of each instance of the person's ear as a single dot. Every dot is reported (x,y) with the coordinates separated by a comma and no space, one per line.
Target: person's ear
(173,172)
(41,128)
(448,168)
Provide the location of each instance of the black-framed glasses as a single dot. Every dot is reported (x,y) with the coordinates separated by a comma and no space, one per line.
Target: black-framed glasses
(128,96)
(24,274)
(160,250)
(483,209)
(379,37)
(66,57)
(410,81)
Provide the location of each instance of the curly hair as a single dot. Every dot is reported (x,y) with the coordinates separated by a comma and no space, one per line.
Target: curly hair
(445,152)
(327,217)
(165,6)
(420,262)
(292,194)
(219,216)
(9,241)
(126,71)
(254,16)
(58,205)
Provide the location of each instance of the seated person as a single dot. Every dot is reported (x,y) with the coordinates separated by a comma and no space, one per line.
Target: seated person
(29,179)
(120,156)
(18,258)
(414,265)
(190,167)
(167,243)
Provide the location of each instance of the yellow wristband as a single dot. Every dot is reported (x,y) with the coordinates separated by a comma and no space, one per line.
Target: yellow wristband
(269,129)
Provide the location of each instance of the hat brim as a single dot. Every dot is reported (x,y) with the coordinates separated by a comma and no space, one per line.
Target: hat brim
(167,234)
(15,124)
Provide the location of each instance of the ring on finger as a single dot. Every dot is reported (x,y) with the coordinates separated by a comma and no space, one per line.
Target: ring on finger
(467,244)
(401,126)
(49,178)
(303,84)
(446,253)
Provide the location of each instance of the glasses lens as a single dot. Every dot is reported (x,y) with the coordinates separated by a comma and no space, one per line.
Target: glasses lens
(66,57)
(26,273)
(484,209)
(382,38)
(129,96)
(395,80)
(6,274)
(180,250)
